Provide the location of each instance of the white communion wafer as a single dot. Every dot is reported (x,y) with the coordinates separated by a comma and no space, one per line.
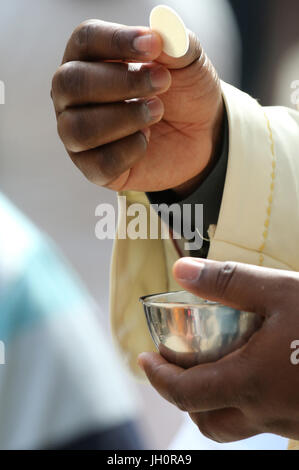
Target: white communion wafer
(171,28)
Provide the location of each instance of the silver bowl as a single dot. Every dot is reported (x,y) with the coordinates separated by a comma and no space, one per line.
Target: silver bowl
(188,331)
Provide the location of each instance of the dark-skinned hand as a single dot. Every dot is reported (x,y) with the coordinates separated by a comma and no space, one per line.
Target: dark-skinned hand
(256,388)
(130,129)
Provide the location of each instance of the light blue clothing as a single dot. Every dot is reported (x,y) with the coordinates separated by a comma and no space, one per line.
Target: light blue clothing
(61,378)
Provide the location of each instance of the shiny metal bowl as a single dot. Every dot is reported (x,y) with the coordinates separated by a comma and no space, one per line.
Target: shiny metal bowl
(188,330)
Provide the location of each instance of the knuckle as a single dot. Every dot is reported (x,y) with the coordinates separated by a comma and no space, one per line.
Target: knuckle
(92,166)
(117,40)
(54,84)
(67,81)
(58,82)
(72,130)
(288,287)
(114,158)
(81,37)
(62,127)
(93,176)
(108,161)
(88,170)
(225,278)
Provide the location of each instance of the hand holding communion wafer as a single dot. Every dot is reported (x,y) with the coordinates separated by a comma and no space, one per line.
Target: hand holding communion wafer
(128,128)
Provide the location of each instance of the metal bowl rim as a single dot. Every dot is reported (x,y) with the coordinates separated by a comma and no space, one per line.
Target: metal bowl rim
(149,303)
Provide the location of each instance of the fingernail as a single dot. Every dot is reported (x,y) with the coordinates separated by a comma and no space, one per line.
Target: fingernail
(159,77)
(155,107)
(188,270)
(144,43)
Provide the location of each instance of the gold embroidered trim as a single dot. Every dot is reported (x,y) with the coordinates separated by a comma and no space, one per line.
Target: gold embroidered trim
(270,199)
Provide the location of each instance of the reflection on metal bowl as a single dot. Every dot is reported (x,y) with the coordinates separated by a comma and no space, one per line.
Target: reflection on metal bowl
(188,330)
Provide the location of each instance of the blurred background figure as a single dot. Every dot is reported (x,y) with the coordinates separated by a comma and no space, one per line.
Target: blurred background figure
(62,386)
(53,389)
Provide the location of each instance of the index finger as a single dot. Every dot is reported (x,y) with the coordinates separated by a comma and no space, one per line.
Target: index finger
(101,40)
(202,388)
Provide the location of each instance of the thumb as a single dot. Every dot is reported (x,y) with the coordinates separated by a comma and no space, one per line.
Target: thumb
(244,287)
(194,53)
(195,95)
